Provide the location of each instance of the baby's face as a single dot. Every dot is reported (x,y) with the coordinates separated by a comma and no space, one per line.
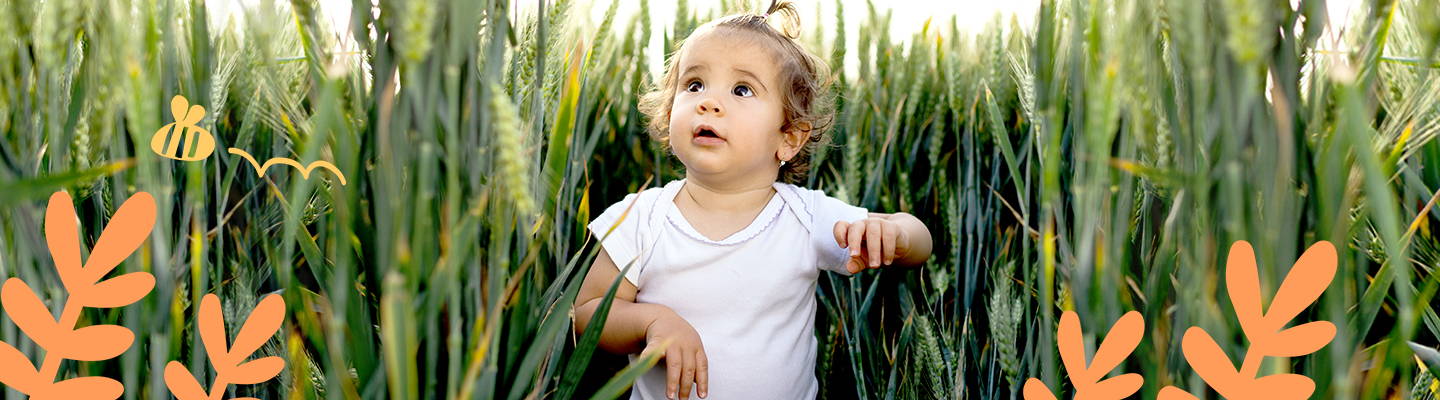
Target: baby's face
(727,113)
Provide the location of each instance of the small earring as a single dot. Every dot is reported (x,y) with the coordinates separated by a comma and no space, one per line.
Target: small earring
(782,163)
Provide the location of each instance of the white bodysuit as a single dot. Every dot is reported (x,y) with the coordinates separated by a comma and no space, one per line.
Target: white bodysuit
(751,295)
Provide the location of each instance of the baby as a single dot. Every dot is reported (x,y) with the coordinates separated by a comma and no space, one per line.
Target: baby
(722,264)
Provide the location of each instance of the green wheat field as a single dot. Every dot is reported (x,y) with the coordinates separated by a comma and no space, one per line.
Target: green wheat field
(1099,156)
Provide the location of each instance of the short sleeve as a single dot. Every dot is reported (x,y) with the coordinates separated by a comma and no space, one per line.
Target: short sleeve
(618,231)
(827,211)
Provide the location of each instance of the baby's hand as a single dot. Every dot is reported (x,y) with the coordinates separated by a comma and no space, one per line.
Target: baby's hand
(871,241)
(684,356)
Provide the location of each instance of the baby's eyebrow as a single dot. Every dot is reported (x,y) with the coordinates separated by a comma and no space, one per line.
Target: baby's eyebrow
(754,77)
(695,67)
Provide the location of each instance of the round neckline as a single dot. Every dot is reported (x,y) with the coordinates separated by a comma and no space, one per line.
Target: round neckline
(767,217)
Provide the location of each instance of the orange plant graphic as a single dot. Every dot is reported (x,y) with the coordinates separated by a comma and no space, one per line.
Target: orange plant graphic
(1264,328)
(229,361)
(60,339)
(1118,343)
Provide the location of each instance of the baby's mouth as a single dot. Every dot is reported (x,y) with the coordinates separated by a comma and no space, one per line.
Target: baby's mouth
(707,134)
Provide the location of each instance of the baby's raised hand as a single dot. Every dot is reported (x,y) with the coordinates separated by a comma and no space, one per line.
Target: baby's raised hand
(684,356)
(873,242)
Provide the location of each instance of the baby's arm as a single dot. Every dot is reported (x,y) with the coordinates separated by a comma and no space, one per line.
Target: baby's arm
(625,327)
(884,239)
(642,327)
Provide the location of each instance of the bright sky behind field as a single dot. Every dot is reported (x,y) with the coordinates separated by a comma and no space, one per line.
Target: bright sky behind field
(970,16)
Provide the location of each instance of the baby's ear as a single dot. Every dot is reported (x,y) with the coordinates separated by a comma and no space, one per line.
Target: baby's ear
(797,135)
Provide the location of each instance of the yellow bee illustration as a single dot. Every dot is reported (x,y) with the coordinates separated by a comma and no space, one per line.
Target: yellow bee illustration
(187,141)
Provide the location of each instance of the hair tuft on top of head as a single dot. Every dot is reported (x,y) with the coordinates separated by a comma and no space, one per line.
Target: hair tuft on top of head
(788,21)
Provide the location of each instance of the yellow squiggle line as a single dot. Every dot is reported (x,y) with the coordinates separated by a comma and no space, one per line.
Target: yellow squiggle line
(304,170)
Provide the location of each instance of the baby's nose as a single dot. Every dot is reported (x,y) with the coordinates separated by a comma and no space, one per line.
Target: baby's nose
(710,106)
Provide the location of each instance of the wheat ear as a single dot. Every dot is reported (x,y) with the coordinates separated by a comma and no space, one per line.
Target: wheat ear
(1122,339)
(229,361)
(1264,329)
(60,339)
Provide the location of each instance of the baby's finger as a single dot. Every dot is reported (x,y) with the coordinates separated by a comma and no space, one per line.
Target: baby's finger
(873,239)
(855,234)
(702,373)
(889,232)
(687,375)
(673,365)
(839,230)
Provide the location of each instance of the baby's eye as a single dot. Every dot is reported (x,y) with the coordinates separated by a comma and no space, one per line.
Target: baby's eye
(743,91)
(694,86)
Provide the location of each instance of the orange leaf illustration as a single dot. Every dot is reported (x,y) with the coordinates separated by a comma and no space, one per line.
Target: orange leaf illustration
(181,383)
(91,387)
(229,361)
(1122,339)
(257,371)
(29,313)
(127,229)
(95,342)
(119,291)
(1174,393)
(19,373)
(1264,329)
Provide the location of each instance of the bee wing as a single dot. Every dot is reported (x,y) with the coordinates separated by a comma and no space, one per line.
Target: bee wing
(177,107)
(193,117)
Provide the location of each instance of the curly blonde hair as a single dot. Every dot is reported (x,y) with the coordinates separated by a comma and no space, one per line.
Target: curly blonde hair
(808,102)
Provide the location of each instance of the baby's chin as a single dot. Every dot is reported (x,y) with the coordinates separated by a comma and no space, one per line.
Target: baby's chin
(719,168)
